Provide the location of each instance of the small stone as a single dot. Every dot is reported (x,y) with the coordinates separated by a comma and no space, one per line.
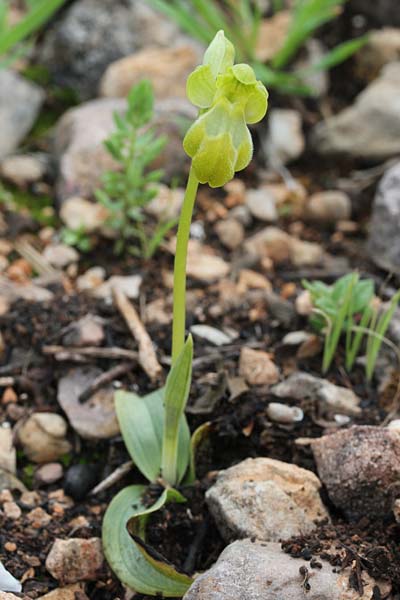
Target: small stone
(382,47)
(261,204)
(6,496)
(257,367)
(212,335)
(331,398)
(12,510)
(285,141)
(60,255)
(22,169)
(80,479)
(8,453)
(304,304)
(20,102)
(265,498)
(69,592)
(77,212)
(75,559)
(166,68)
(87,331)
(203,264)
(251,280)
(230,233)
(30,499)
(43,437)
(360,468)
(167,204)
(91,279)
(329,206)
(48,474)
(128,284)
(272,34)
(282,413)
(10,547)
(38,518)
(279,246)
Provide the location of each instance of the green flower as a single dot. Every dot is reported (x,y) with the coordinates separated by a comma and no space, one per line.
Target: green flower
(229,97)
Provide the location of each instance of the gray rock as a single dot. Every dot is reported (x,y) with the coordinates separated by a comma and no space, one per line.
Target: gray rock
(262,204)
(285,140)
(384,240)
(329,206)
(81,131)
(330,398)
(81,44)
(360,468)
(24,169)
(267,499)
(87,331)
(20,102)
(368,129)
(382,47)
(249,570)
(75,560)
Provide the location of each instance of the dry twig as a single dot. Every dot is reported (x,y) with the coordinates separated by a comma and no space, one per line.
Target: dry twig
(62,353)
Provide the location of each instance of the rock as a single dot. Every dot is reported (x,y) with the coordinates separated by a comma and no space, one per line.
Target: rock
(279,246)
(272,35)
(384,241)
(281,413)
(8,453)
(75,559)
(11,291)
(69,592)
(248,570)
(304,304)
(266,499)
(8,583)
(252,280)
(257,367)
(330,398)
(128,284)
(81,131)
(167,204)
(203,264)
(38,518)
(10,482)
(261,204)
(12,510)
(23,169)
(316,79)
(230,233)
(79,213)
(360,468)
(42,436)
(382,47)
(20,102)
(87,331)
(212,335)
(74,50)
(30,499)
(91,279)
(95,418)
(166,68)
(60,255)
(48,474)
(80,479)
(329,207)
(370,128)
(285,141)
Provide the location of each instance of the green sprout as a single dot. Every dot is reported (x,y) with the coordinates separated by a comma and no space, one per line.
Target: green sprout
(154,427)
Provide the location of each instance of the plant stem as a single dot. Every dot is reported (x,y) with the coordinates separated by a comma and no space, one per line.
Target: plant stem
(182,240)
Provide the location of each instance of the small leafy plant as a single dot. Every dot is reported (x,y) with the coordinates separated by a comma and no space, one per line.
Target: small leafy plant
(11,38)
(348,307)
(154,427)
(126,192)
(241,20)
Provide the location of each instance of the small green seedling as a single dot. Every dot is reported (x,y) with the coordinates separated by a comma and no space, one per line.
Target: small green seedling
(348,307)
(154,427)
(127,191)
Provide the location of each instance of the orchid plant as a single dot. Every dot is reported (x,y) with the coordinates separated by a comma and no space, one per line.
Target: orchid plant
(154,427)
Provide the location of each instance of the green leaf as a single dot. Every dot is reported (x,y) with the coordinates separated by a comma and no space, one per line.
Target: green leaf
(197,439)
(338,55)
(140,103)
(126,557)
(176,394)
(141,420)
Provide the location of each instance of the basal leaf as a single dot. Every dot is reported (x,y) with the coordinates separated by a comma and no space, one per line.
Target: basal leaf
(126,557)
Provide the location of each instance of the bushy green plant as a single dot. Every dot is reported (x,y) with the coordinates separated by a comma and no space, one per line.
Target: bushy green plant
(348,307)
(154,427)
(11,38)
(241,20)
(127,191)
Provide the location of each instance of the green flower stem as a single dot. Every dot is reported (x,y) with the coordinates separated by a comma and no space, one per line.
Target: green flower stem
(179,312)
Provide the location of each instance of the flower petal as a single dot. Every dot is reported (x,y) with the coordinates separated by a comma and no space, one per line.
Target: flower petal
(201,87)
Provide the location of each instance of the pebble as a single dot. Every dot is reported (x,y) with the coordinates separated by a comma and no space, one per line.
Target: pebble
(304,304)
(360,468)
(167,203)
(38,518)
(22,169)
(257,367)
(261,203)
(48,474)
(230,233)
(285,140)
(330,398)
(128,284)
(282,413)
(29,499)
(280,247)
(91,279)
(87,331)
(80,479)
(77,212)
(382,47)
(253,570)
(329,207)
(12,510)
(60,255)
(204,265)
(74,591)
(20,103)
(42,436)
(267,499)
(75,559)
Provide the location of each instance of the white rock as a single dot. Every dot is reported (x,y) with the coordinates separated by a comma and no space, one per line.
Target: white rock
(8,454)
(267,499)
(22,169)
(282,413)
(12,510)
(257,367)
(42,436)
(230,233)
(261,204)
(211,334)
(128,284)
(87,331)
(304,304)
(167,204)
(203,264)
(279,246)
(91,279)
(77,212)
(60,255)
(285,141)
